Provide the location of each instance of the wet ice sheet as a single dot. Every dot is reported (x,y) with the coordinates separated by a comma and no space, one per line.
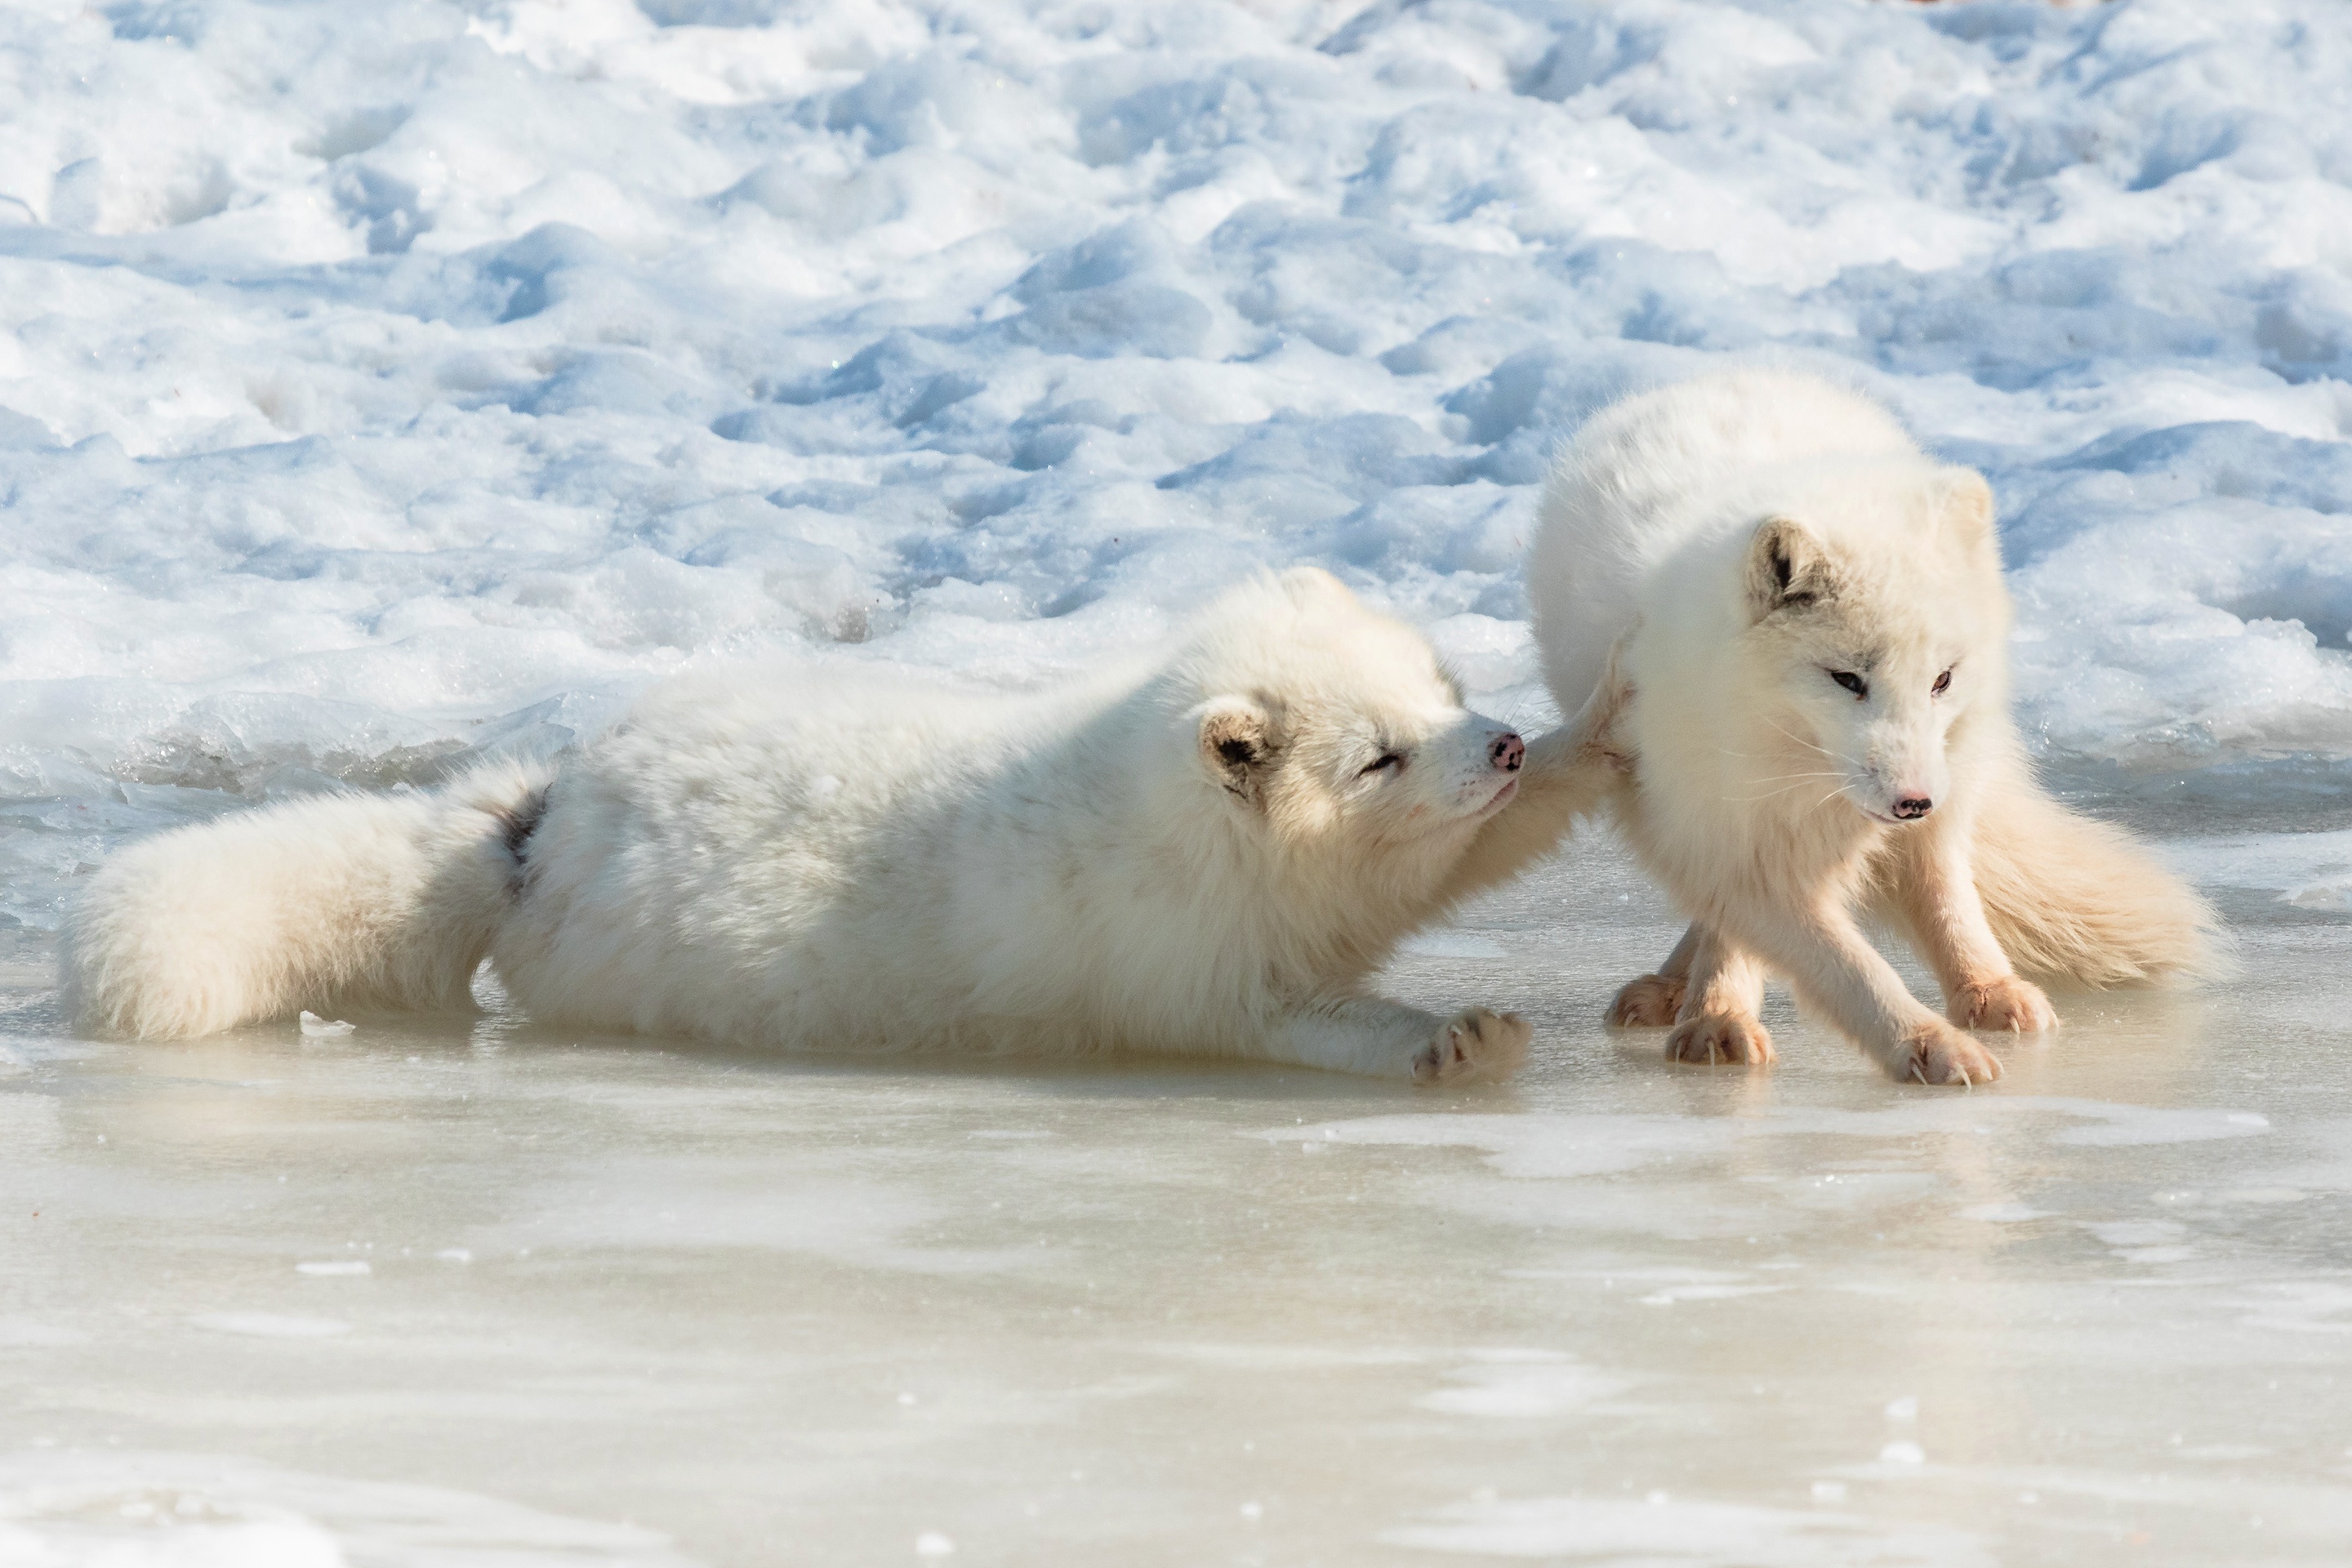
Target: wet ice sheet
(423,1295)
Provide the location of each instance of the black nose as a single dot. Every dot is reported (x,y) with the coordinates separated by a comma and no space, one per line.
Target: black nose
(1913,806)
(1507,753)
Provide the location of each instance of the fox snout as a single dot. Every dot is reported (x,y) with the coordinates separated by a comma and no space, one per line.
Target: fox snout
(1900,792)
(1902,775)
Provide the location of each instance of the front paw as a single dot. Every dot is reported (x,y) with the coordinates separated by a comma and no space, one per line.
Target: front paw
(1720,1038)
(2004,1002)
(1649,1003)
(1476,1045)
(1936,1053)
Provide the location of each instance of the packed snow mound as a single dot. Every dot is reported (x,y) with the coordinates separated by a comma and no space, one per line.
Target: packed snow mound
(381,383)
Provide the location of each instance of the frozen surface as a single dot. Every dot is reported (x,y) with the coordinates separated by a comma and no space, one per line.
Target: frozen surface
(451,1296)
(385,384)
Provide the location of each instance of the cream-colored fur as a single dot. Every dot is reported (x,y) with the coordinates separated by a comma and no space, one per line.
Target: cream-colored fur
(1208,855)
(337,901)
(1815,629)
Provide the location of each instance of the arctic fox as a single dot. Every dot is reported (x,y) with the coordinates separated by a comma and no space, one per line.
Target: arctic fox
(1206,857)
(1820,718)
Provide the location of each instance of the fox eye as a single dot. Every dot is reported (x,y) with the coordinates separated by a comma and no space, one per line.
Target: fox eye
(1943,684)
(1385,759)
(1851,681)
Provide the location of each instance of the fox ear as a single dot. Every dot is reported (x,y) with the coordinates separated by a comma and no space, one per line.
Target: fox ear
(1966,507)
(1239,744)
(1786,567)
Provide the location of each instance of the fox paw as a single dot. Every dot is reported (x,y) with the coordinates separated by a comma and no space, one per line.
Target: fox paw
(1649,1003)
(1475,1044)
(2004,1002)
(1940,1054)
(1720,1038)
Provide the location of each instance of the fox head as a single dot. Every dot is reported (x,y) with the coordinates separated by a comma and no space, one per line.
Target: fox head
(1877,603)
(1325,728)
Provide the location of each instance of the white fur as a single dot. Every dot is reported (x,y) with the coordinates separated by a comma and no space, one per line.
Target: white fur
(1187,856)
(381,900)
(1750,535)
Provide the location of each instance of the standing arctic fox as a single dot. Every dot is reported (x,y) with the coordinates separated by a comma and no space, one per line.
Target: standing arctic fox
(1820,712)
(1205,856)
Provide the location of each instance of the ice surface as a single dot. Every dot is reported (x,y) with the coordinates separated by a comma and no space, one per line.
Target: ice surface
(453,1295)
(386,384)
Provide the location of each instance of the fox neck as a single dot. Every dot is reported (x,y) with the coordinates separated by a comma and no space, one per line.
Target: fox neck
(1338,904)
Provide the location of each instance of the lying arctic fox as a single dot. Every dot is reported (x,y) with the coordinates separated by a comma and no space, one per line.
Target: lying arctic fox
(1819,711)
(1207,857)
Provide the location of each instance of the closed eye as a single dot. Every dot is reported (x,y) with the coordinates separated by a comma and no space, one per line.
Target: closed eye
(1851,681)
(1385,759)
(1943,684)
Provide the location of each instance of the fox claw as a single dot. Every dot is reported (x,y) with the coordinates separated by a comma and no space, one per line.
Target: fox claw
(1936,1054)
(2003,1003)
(1475,1044)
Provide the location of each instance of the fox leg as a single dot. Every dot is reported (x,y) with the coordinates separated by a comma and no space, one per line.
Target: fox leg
(1722,995)
(1937,892)
(1575,771)
(1654,1001)
(1837,970)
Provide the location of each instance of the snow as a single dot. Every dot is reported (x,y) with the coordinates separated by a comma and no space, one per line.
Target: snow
(388,384)
(385,385)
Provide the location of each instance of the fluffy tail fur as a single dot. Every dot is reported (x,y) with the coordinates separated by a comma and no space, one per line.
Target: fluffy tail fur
(2075,901)
(339,902)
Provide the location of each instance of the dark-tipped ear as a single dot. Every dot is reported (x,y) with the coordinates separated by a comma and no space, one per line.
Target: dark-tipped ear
(1238,745)
(1786,567)
(1964,505)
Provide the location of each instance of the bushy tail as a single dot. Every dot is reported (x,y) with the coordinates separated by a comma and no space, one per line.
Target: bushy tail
(345,901)
(2076,900)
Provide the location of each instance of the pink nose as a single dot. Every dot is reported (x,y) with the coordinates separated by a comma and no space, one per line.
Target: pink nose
(1507,753)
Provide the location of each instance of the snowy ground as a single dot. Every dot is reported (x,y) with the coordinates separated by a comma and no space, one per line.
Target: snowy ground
(384,384)
(388,380)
